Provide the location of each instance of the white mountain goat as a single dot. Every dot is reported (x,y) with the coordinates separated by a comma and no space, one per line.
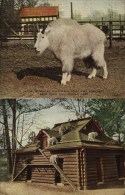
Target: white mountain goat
(69,40)
(62,130)
(51,141)
(92,136)
(54,159)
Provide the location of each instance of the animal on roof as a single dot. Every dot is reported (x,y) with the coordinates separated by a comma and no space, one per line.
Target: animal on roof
(51,141)
(92,136)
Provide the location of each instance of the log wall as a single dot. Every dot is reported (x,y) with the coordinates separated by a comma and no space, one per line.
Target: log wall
(21,161)
(44,172)
(70,165)
(109,170)
(79,165)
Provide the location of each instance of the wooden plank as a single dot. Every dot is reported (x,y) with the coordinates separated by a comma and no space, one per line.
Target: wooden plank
(20,172)
(60,171)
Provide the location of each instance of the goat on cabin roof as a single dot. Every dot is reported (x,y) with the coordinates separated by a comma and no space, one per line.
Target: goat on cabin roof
(51,141)
(62,130)
(69,40)
(92,136)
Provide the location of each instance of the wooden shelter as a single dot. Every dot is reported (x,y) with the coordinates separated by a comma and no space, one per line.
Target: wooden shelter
(31,15)
(82,163)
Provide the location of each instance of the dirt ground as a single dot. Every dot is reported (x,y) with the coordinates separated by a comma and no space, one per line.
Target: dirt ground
(9,188)
(25,75)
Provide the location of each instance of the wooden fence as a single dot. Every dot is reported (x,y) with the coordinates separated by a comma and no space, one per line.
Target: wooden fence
(27,31)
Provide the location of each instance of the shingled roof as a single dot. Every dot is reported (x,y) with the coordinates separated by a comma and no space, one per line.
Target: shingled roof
(76,135)
(39,11)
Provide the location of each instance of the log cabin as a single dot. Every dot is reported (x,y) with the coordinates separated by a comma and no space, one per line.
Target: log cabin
(82,163)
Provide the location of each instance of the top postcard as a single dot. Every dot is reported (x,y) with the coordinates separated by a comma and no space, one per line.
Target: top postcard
(63,49)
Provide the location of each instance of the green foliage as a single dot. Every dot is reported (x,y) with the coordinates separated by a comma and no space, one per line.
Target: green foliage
(111,116)
(110,113)
(3,168)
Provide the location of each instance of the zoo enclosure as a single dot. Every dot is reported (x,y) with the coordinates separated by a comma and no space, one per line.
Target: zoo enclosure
(28,30)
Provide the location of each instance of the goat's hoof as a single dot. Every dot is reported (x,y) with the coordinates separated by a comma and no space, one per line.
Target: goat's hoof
(63,82)
(90,76)
(68,78)
(104,77)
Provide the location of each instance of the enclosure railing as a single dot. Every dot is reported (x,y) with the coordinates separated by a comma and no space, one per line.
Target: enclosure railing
(28,30)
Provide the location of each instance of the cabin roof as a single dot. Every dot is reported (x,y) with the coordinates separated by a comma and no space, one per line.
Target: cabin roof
(39,11)
(76,135)
(29,148)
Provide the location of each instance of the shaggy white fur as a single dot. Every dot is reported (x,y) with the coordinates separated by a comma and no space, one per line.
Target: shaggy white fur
(51,141)
(92,136)
(69,40)
(54,159)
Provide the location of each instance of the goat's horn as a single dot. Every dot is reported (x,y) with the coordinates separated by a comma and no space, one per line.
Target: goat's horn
(44,28)
(37,25)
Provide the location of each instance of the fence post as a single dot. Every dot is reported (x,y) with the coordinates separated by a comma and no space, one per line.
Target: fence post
(110,34)
(34,32)
(102,23)
(71,10)
(120,26)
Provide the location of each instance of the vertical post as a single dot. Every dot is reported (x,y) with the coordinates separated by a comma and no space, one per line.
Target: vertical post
(120,27)
(85,169)
(14,165)
(34,32)
(110,34)
(78,169)
(102,23)
(71,10)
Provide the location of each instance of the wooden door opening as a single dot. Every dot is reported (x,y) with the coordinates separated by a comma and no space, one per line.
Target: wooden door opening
(99,169)
(29,173)
(58,178)
(120,165)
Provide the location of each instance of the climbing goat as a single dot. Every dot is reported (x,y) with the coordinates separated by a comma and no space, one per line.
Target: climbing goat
(51,141)
(54,159)
(62,130)
(69,40)
(92,136)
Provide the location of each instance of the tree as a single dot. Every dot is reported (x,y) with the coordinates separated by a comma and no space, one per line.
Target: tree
(111,115)
(12,120)
(78,106)
(7,136)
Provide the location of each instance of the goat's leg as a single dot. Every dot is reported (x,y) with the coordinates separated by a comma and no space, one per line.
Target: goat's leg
(69,77)
(98,57)
(66,70)
(93,73)
(64,78)
(105,75)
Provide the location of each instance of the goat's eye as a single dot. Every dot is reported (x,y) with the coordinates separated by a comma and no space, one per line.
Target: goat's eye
(42,37)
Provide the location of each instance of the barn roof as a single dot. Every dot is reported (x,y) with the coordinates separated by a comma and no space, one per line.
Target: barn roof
(39,11)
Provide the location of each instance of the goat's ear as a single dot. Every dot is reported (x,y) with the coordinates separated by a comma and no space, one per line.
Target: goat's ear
(41,30)
(48,29)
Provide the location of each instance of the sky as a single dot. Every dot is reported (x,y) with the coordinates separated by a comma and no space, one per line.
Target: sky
(86,7)
(45,118)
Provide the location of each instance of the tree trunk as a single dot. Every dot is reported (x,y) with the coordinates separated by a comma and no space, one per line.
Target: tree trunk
(12,103)
(8,145)
(14,125)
